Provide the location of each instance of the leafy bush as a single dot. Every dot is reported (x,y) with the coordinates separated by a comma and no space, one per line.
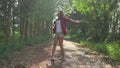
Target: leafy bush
(110,49)
(99,47)
(113,50)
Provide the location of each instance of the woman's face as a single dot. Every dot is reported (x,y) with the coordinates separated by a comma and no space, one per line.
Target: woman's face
(60,14)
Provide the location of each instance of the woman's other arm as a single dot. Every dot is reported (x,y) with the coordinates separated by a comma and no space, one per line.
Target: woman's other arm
(72,20)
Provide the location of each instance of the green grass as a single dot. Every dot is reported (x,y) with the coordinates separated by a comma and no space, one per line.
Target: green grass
(110,49)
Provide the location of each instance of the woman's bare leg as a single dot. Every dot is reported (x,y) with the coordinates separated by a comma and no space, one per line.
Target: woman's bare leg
(61,45)
(54,45)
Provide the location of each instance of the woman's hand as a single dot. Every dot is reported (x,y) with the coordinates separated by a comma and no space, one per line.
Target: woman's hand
(77,21)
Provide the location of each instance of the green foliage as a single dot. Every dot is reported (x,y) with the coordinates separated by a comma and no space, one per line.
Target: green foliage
(110,49)
(98,14)
(99,47)
(113,37)
(65,5)
(3,50)
(37,40)
(82,5)
(113,50)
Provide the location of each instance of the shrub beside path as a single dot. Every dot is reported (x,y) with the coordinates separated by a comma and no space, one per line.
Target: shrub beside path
(38,56)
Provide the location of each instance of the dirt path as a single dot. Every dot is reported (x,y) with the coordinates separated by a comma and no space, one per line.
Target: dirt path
(38,56)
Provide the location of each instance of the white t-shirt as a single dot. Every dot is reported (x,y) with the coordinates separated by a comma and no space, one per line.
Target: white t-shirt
(58,26)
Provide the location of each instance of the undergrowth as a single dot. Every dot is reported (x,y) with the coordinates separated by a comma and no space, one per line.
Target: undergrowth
(111,49)
(16,44)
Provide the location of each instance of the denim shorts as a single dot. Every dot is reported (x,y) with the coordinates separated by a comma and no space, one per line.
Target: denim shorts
(59,34)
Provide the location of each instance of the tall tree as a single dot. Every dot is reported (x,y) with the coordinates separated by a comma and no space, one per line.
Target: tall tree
(6,15)
(27,18)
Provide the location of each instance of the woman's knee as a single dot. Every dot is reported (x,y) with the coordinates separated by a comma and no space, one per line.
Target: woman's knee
(55,40)
(60,43)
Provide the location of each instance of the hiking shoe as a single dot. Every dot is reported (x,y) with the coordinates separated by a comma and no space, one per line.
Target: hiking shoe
(62,58)
(52,58)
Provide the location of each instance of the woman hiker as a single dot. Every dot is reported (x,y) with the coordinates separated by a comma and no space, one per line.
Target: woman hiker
(60,31)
